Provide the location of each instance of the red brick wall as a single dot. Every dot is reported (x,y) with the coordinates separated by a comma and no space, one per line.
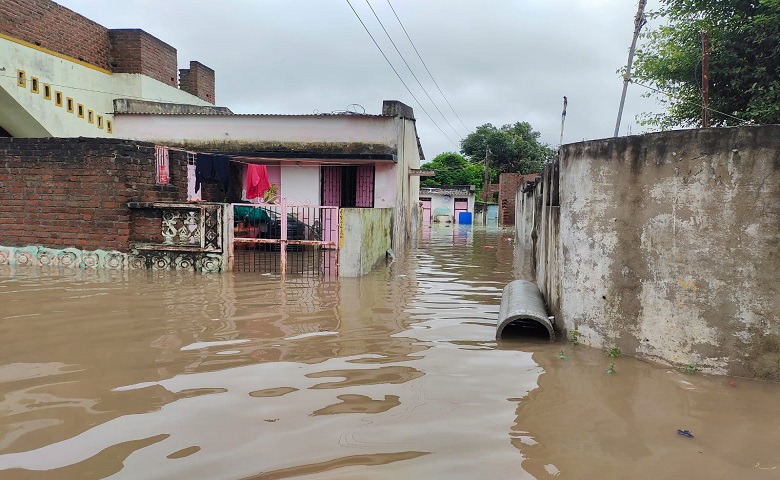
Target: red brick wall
(135,51)
(198,80)
(48,25)
(508,183)
(71,192)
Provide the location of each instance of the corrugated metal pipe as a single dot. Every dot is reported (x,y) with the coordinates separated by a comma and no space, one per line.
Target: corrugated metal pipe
(523,311)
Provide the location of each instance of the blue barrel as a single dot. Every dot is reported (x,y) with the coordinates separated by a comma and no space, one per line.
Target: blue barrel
(464,218)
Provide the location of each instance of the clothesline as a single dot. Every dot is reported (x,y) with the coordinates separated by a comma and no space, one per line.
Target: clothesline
(241,159)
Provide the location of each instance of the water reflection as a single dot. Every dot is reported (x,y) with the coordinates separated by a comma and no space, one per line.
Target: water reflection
(393,375)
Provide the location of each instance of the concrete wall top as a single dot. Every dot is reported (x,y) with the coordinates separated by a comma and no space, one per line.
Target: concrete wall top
(669,246)
(231,131)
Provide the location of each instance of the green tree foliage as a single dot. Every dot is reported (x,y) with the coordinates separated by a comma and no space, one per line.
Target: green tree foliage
(512,148)
(453,169)
(744,61)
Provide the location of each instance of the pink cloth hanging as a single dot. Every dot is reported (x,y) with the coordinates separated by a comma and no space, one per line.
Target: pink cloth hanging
(162,168)
(256,181)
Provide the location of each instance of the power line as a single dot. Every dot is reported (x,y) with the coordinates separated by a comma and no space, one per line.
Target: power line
(744,122)
(410,68)
(426,67)
(398,75)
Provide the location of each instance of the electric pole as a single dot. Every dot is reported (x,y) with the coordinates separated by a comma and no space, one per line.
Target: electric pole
(639,21)
(563,118)
(705,79)
(487,169)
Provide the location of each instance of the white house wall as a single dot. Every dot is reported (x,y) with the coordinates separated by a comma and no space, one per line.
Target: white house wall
(301,184)
(92,87)
(257,128)
(385,178)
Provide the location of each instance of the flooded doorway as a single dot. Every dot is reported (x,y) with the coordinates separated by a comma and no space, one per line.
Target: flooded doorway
(159,375)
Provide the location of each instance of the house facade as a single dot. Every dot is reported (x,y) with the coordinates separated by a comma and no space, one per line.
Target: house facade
(445,204)
(65,76)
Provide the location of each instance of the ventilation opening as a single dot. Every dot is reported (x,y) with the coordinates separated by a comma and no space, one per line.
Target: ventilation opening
(525,329)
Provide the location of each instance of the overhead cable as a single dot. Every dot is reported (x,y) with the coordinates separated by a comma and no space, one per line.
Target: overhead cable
(410,69)
(399,76)
(426,67)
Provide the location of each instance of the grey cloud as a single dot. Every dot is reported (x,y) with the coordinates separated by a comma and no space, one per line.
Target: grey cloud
(498,61)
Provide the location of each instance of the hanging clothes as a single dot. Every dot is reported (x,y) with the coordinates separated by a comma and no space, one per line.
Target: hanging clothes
(209,167)
(256,181)
(162,167)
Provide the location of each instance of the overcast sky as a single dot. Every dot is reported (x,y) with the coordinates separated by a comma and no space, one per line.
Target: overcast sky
(497,61)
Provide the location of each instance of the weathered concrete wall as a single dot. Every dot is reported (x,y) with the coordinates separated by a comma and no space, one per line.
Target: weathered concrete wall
(668,246)
(365,238)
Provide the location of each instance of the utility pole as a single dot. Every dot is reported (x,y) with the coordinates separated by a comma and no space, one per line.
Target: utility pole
(486,189)
(705,79)
(639,21)
(563,118)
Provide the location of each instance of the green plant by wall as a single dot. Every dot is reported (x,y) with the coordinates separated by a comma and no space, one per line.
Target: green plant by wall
(613,352)
(574,336)
(690,368)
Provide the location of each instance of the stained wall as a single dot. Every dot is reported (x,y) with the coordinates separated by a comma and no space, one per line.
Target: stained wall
(667,246)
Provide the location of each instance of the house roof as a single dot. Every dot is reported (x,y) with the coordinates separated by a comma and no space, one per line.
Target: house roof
(448,190)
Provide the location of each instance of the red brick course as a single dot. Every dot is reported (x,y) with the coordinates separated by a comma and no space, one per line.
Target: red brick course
(56,28)
(49,25)
(508,183)
(199,81)
(73,192)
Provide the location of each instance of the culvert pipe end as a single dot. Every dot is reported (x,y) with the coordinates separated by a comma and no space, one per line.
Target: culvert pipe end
(522,305)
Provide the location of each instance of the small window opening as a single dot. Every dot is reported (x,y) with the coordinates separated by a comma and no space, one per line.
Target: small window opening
(109,127)
(21,78)
(80,110)
(69,102)
(100,121)
(34,85)
(58,98)
(90,116)
(47,91)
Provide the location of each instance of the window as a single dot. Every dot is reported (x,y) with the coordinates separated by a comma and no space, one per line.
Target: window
(34,85)
(100,121)
(21,78)
(80,110)
(109,127)
(58,98)
(47,91)
(348,186)
(90,116)
(69,102)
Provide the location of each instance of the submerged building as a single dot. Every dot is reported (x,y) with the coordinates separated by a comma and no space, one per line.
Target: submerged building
(101,124)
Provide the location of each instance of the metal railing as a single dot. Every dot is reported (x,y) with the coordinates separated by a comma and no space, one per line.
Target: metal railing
(281,238)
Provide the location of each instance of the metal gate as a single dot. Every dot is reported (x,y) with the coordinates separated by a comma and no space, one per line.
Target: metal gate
(281,238)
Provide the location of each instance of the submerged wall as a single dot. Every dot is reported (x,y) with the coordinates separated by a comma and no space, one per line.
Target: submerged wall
(666,246)
(365,238)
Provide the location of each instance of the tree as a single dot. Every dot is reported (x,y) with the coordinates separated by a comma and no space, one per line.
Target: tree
(744,62)
(512,148)
(453,169)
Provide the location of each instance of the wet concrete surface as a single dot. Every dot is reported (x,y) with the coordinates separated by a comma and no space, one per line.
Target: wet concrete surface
(160,375)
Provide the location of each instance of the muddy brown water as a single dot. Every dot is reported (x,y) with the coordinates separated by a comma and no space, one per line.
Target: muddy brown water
(164,375)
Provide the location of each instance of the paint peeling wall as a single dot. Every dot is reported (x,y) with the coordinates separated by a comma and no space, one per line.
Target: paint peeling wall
(365,238)
(669,247)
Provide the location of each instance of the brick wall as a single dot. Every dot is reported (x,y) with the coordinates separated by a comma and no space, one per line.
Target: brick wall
(135,51)
(198,80)
(73,192)
(508,183)
(51,26)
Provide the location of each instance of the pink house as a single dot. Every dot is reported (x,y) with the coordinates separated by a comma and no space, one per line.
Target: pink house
(349,161)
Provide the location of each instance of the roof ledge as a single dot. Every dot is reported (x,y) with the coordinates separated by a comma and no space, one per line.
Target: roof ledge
(131,106)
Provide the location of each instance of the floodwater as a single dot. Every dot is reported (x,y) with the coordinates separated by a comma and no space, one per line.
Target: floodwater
(152,375)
